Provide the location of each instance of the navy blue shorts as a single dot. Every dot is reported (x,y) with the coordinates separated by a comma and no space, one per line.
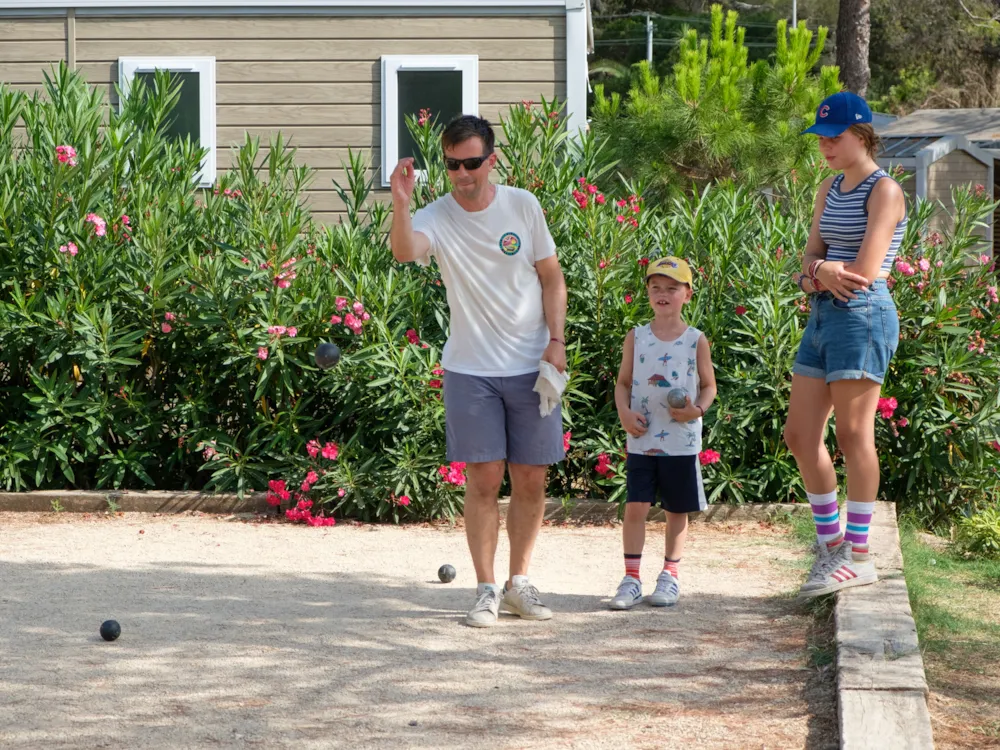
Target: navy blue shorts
(496,419)
(673,482)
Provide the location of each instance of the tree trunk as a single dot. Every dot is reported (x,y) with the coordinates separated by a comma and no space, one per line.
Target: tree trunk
(853,36)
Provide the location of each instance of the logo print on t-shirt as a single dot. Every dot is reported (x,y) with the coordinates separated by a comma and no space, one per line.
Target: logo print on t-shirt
(510,243)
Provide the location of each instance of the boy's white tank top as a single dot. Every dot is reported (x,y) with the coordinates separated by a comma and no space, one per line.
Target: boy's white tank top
(657,367)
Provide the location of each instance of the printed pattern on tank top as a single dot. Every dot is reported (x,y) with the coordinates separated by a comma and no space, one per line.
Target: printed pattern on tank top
(845,220)
(657,367)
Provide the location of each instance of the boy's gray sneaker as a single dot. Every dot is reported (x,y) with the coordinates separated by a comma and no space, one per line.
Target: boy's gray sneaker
(628,595)
(667,590)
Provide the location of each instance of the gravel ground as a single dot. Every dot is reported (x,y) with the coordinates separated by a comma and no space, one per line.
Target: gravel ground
(270,635)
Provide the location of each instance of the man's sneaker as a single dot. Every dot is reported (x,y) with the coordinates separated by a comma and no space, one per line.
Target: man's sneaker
(817,574)
(522,600)
(484,613)
(629,593)
(666,592)
(842,572)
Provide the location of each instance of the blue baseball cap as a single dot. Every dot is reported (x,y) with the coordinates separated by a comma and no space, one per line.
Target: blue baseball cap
(838,112)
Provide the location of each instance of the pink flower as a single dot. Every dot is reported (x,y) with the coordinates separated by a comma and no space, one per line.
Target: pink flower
(331,451)
(603,264)
(634,222)
(208,452)
(904,268)
(939,263)
(264,266)
(424,118)
(903,422)
(262,352)
(709,456)
(991,292)
(100,225)
(620,218)
(924,265)
(454,473)
(169,316)
(920,286)
(358,308)
(293,332)
(886,407)
(69,247)
(340,492)
(984,259)
(566,439)
(603,465)
(336,320)
(276,330)
(277,492)
(628,299)
(740,310)
(591,189)
(621,203)
(599,199)
(935,239)
(341,303)
(643,262)
(66,155)
(412,337)
(437,371)
(125,220)
(995,445)
(292,514)
(289,262)
(365,316)
(165,327)
(312,448)
(312,477)
(403,500)
(305,487)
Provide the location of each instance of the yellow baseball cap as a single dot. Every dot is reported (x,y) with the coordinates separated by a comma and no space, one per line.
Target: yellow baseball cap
(673,267)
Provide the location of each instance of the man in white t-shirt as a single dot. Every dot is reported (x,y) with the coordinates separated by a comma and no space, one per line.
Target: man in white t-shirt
(507,299)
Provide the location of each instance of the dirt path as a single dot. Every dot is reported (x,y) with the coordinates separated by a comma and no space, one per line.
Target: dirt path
(267,635)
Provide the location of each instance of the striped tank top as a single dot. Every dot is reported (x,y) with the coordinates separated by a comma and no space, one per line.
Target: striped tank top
(845,219)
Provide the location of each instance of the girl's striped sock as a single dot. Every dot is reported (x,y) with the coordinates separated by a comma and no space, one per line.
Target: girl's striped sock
(826,514)
(859,518)
(632,565)
(671,567)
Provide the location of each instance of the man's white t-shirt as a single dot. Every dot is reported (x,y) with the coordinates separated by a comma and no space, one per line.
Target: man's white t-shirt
(487,260)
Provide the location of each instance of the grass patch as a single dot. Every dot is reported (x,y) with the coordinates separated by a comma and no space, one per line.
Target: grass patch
(956,606)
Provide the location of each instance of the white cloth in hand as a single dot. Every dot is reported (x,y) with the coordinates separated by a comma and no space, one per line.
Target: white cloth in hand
(550,386)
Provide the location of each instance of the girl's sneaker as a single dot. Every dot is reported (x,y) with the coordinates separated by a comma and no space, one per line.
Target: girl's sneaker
(629,593)
(841,571)
(667,591)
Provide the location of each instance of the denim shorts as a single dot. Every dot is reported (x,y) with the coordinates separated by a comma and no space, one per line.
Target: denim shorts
(851,340)
(492,419)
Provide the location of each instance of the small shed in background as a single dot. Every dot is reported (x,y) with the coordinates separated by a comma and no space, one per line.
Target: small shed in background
(941,149)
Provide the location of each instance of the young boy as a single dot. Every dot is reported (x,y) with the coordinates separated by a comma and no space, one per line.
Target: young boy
(663,441)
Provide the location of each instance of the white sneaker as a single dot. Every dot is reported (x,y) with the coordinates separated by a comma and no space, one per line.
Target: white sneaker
(817,574)
(667,590)
(522,600)
(487,608)
(842,572)
(629,593)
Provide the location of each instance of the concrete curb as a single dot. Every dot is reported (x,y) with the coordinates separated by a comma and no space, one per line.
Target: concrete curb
(881,686)
(79,501)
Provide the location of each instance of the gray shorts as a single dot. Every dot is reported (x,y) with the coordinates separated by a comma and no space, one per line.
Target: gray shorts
(493,419)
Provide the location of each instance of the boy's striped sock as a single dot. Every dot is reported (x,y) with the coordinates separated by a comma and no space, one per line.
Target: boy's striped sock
(671,567)
(826,514)
(859,518)
(632,565)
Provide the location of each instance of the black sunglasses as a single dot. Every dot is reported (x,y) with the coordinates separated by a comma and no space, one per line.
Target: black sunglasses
(470,164)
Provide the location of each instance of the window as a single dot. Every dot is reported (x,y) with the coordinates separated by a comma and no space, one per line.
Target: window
(194,114)
(447,85)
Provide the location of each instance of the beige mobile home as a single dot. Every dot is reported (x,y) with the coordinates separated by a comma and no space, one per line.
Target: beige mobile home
(329,74)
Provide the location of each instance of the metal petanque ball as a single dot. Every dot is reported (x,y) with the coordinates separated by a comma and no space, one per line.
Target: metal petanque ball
(110,630)
(446,573)
(327,355)
(677,398)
